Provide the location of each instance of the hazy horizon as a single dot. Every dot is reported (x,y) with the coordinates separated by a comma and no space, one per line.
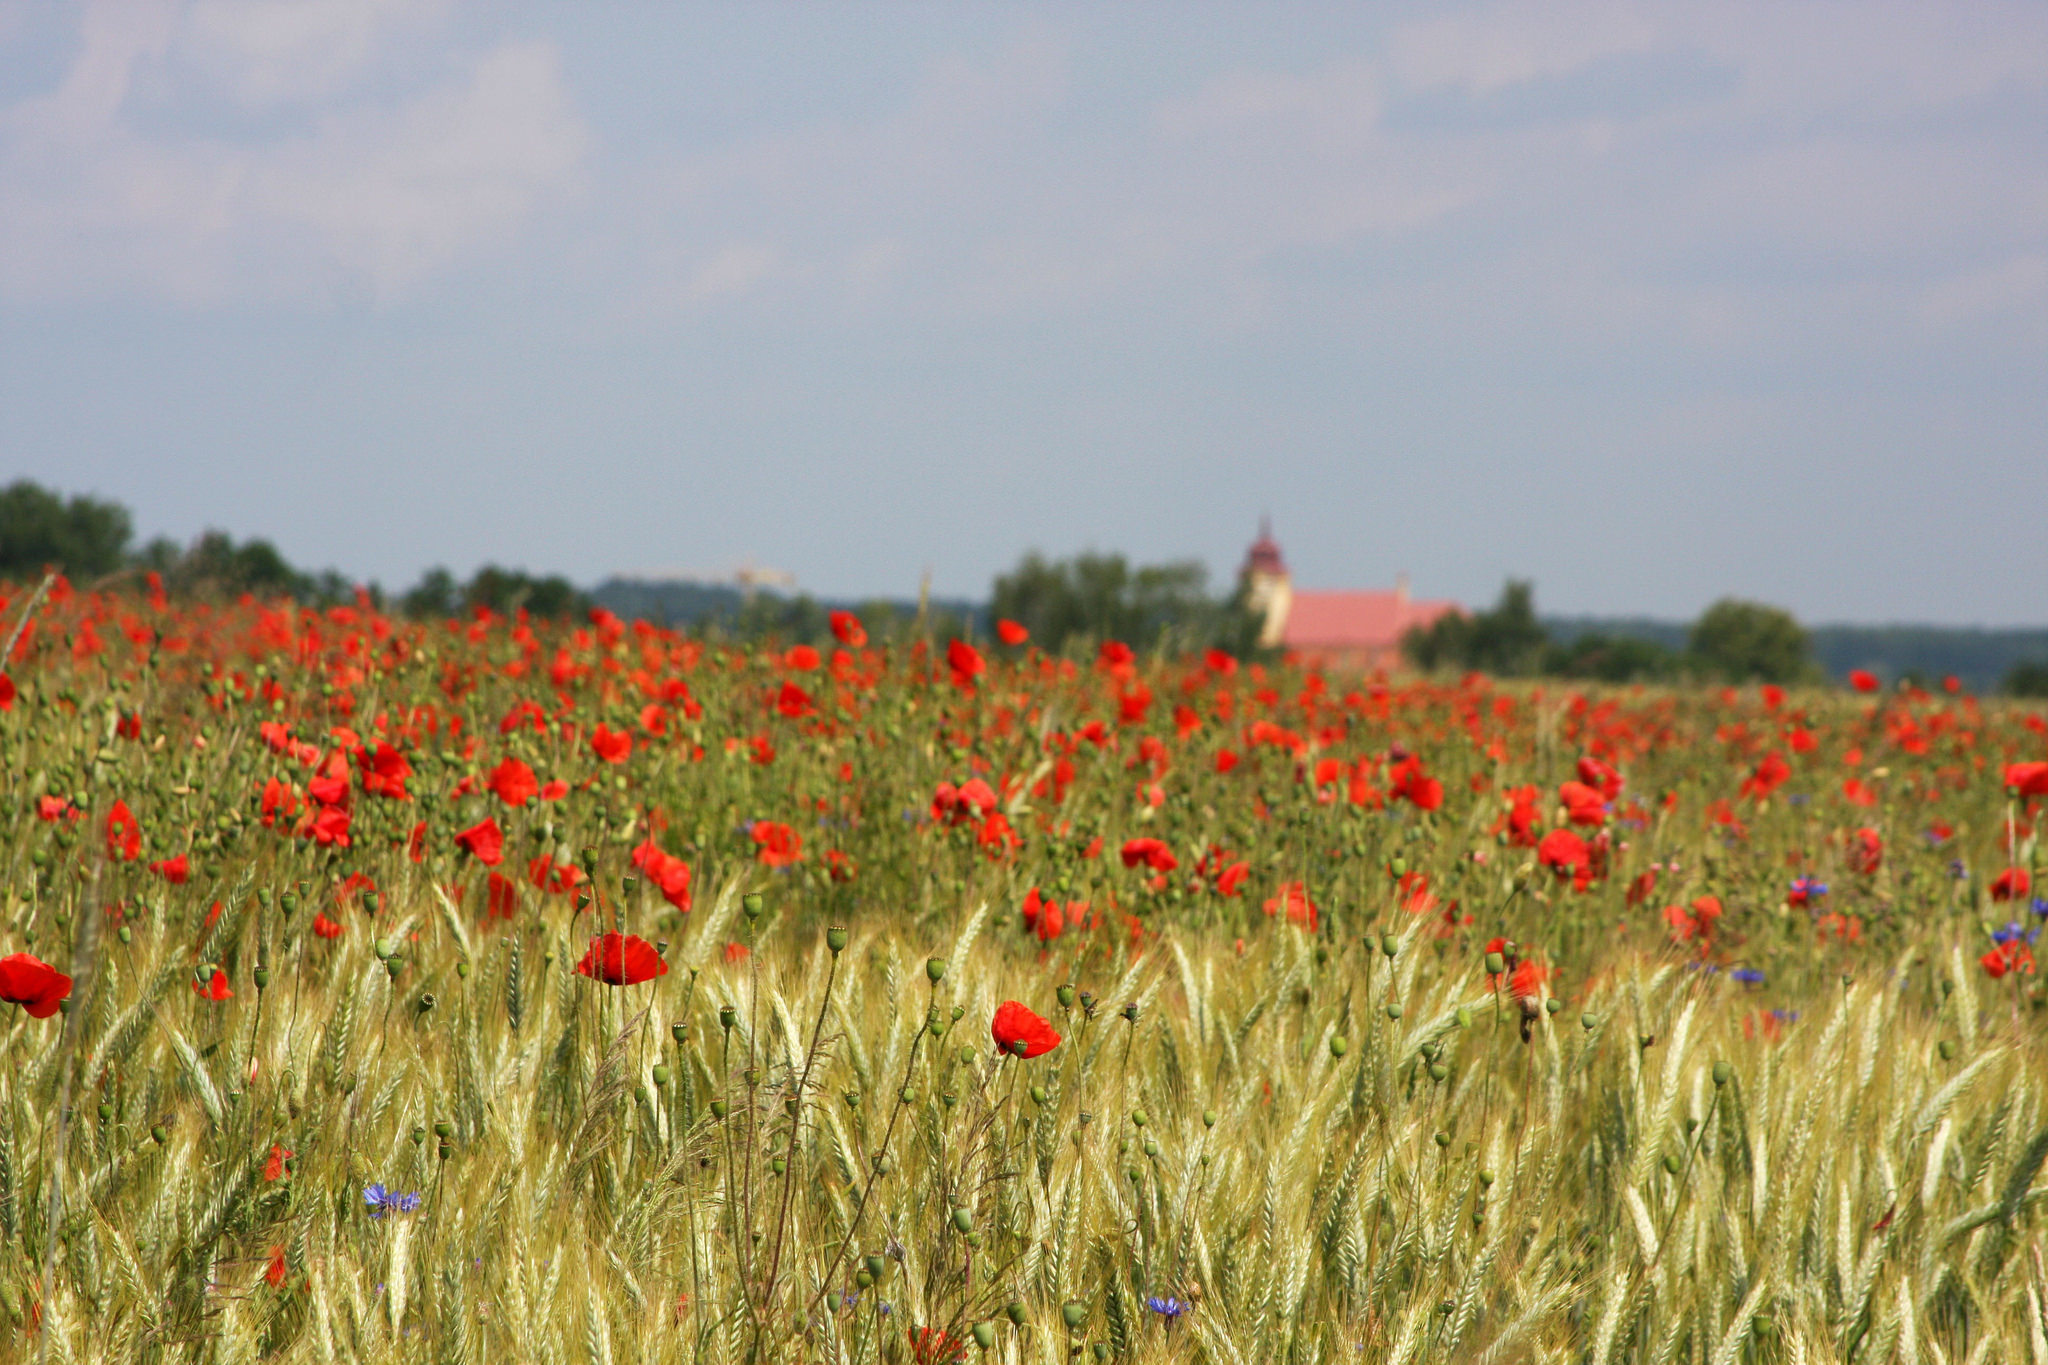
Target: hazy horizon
(1650,304)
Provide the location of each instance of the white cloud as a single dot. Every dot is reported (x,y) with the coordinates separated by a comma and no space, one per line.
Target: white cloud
(271,51)
(371,195)
(1502,45)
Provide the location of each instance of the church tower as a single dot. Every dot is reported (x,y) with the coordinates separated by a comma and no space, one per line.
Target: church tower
(1269,589)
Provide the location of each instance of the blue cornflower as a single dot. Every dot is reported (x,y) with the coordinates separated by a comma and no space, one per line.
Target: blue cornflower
(1957,870)
(1798,798)
(1169,1308)
(1805,889)
(2012,932)
(1748,976)
(2041,906)
(383,1201)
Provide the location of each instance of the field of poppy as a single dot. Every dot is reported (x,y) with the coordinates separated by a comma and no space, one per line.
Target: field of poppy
(496,990)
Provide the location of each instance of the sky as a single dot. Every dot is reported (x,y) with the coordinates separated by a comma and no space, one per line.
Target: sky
(1651,304)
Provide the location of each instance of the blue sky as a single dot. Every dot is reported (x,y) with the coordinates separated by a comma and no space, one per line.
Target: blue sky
(1648,303)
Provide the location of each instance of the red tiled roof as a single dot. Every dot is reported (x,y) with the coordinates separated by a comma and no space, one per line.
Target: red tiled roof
(1355,620)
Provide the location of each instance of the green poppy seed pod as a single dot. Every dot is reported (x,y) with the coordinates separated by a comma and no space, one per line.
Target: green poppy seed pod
(1437,1071)
(261,976)
(1722,1071)
(719,1109)
(874,1264)
(862,1279)
(384,948)
(1065,995)
(958,1012)
(263,896)
(727,1017)
(1486,1179)
(1138,1117)
(1073,1314)
(1151,1147)
(1338,1047)
(937,1028)
(589,859)
(419,1134)
(462,969)
(1038,1094)
(106,1113)
(1399,867)
(934,968)
(949,1099)
(1101,1350)
(446,1151)
(394,966)
(778,1165)
(1670,1164)
(1464,1017)
(442,1128)
(1208,1118)
(752,1075)
(1947,988)
(963,1219)
(1393,1010)
(1322,954)
(966,1056)
(752,905)
(679,1031)
(1443,1139)
(1130,1012)
(1015,1313)
(288,902)
(1552,1005)
(427,1001)
(835,939)
(853,1099)
(1589,1021)
(660,1074)
(124,934)
(158,1134)
(1496,963)
(1389,944)
(906,1096)
(984,1334)
(1947,1048)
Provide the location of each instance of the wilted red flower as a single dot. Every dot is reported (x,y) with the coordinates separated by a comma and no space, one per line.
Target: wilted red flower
(847,629)
(777,845)
(668,872)
(483,841)
(216,988)
(1011,633)
(124,834)
(1866,851)
(1153,853)
(611,745)
(2011,885)
(933,1346)
(177,871)
(621,960)
(33,984)
(1014,1024)
(275,1272)
(513,782)
(273,1169)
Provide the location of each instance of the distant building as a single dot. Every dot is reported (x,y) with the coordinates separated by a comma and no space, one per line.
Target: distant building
(1353,630)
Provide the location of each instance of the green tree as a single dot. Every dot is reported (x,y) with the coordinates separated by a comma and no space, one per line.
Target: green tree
(1081,601)
(85,537)
(1739,641)
(1607,658)
(2027,678)
(506,590)
(1506,640)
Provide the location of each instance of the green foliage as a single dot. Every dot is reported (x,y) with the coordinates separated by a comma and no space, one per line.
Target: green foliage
(1075,604)
(1739,641)
(1602,658)
(1506,641)
(2027,678)
(84,537)
(501,590)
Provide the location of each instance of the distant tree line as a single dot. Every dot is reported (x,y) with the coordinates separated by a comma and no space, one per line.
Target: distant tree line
(1072,605)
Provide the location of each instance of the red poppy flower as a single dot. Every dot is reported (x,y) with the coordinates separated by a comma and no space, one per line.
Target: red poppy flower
(2011,885)
(966,662)
(1563,852)
(6,693)
(1014,1024)
(1863,681)
(33,984)
(2028,779)
(483,841)
(1153,853)
(273,1169)
(793,702)
(513,782)
(1583,805)
(501,897)
(1526,981)
(555,790)
(1293,897)
(177,871)
(611,745)
(1226,759)
(385,772)
(778,845)
(53,808)
(847,629)
(215,989)
(1232,878)
(668,872)
(1011,633)
(274,1274)
(2012,956)
(327,928)
(932,1346)
(621,960)
(1413,785)
(1866,851)
(124,834)
(801,659)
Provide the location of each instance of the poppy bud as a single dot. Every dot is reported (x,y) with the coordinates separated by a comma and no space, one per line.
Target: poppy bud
(963,1219)
(1130,1012)
(1464,1017)
(1437,1071)
(1486,1179)
(1589,1021)
(384,948)
(1338,1047)
(1101,1350)
(1947,1048)
(1065,995)
(1443,1139)
(1073,1314)
(124,935)
(1552,1005)
(1138,1117)
(1644,1040)
(1038,1094)
(462,970)
(719,1109)
(1389,944)
(660,1074)
(835,939)
(1151,1147)
(752,905)
(1722,1071)
(984,1334)
(1496,963)
(1393,1010)
(679,1031)
(158,1135)
(1208,1118)
(1015,1313)
(1670,1164)
(862,1279)
(875,1265)
(106,1113)
(1399,867)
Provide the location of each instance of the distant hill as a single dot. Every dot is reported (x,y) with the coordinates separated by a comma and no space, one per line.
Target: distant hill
(1980,657)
